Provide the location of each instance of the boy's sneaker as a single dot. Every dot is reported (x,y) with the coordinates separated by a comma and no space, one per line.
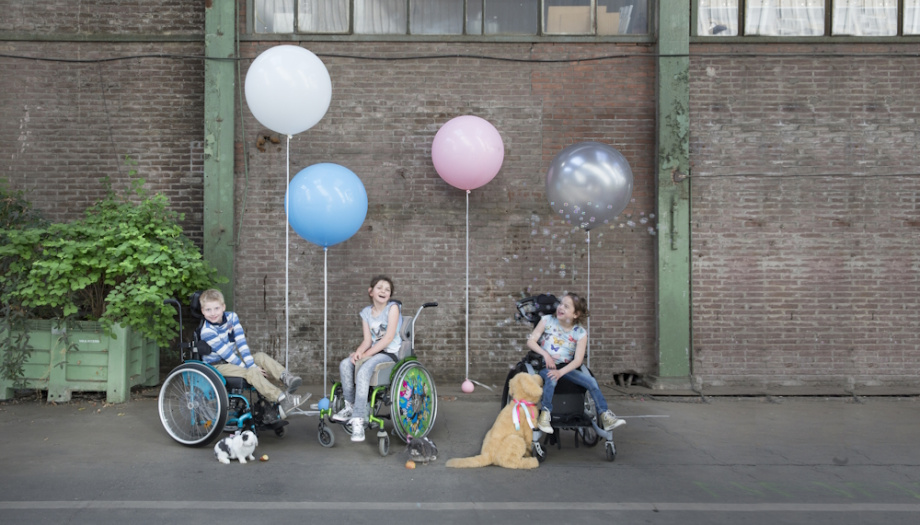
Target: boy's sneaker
(344,414)
(543,422)
(291,381)
(357,429)
(288,402)
(610,421)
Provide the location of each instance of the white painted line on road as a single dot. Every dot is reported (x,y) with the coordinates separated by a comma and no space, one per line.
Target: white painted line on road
(460,506)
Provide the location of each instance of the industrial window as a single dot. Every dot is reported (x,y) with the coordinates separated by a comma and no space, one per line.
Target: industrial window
(453,17)
(871,18)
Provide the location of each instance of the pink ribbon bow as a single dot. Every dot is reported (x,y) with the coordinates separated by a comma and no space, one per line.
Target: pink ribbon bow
(518,403)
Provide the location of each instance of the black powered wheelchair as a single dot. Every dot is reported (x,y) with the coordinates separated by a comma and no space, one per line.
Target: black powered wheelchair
(197,403)
(402,391)
(573,406)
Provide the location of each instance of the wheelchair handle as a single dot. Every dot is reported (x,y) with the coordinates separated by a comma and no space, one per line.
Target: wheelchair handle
(178,306)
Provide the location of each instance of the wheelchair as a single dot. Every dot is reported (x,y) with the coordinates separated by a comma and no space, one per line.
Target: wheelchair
(197,403)
(573,406)
(402,391)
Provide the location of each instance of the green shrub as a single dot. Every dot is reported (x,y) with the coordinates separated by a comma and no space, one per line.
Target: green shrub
(115,265)
(15,213)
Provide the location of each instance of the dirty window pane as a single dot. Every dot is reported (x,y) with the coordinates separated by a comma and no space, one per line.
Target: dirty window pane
(567,17)
(436,17)
(322,16)
(510,17)
(784,17)
(626,16)
(912,17)
(273,16)
(717,18)
(474,17)
(378,17)
(865,17)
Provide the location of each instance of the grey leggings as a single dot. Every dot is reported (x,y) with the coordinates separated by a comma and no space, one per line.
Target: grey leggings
(353,391)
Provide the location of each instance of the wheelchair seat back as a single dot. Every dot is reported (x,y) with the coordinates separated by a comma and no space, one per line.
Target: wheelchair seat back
(568,398)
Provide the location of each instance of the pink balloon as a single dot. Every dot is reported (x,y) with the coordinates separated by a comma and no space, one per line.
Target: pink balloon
(467,387)
(467,152)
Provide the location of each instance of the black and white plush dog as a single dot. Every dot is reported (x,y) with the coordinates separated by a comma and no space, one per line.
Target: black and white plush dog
(238,446)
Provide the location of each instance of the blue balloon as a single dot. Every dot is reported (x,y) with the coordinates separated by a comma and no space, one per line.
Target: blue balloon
(326,204)
(323,404)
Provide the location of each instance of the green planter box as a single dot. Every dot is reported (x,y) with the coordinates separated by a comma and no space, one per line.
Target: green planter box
(80,357)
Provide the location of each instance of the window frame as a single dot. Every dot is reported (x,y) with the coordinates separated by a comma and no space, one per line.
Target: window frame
(827,37)
(350,36)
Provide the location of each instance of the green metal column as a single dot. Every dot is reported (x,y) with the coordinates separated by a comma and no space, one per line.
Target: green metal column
(673,185)
(219,86)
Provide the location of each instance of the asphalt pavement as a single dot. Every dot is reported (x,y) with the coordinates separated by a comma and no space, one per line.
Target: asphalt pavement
(680,459)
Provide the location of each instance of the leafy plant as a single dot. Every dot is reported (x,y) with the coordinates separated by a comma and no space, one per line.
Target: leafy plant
(115,265)
(15,213)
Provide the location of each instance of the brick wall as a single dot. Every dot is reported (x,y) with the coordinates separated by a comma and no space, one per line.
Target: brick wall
(63,125)
(805,205)
(78,115)
(95,18)
(804,195)
(381,123)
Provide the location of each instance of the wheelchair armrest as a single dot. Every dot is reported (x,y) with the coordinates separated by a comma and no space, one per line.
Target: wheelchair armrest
(203,348)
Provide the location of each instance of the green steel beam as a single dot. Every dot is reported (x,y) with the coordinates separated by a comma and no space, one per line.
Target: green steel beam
(219,91)
(673,189)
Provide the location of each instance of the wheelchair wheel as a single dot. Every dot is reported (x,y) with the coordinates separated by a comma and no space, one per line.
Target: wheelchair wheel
(537,450)
(325,436)
(588,436)
(415,401)
(383,445)
(193,404)
(611,450)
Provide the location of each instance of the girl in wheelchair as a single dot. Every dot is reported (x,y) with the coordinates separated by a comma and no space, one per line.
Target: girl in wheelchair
(562,341)
(231,356)
(380,324)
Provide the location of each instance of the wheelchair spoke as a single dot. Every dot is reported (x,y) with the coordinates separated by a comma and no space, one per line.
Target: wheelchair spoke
(193,404)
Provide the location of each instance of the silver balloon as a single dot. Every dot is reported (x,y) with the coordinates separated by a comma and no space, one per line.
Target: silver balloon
(589,184)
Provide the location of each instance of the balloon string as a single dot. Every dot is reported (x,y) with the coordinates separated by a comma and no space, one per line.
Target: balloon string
(588,349)
(287,249)
(325,303)
(487,387)
(467,285)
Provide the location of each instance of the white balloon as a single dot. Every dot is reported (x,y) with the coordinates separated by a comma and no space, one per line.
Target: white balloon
(288,89)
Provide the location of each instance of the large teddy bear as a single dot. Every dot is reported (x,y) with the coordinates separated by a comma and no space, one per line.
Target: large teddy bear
(508,441)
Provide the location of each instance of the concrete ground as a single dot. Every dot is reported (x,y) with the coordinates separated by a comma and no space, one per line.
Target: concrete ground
(681,459)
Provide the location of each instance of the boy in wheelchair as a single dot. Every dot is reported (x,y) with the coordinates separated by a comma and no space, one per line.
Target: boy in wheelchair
(228,352)
(562,342)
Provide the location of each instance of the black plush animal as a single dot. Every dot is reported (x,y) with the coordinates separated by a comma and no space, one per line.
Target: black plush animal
(421,450)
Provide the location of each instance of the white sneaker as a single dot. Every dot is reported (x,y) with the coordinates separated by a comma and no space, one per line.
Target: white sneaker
(544,422)
(345,413)
(609,421)
(357,429)
(288,402)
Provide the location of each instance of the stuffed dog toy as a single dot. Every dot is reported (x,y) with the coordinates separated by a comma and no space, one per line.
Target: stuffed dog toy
(238,446)
(507,443)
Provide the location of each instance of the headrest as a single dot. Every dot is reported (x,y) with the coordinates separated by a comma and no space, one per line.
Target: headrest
(194,304)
